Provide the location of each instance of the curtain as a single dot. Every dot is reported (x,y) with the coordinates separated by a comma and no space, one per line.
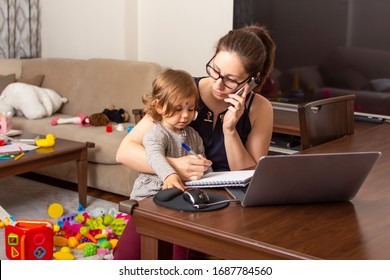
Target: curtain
(19,29)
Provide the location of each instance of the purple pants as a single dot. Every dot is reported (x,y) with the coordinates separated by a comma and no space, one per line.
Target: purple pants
(129,246)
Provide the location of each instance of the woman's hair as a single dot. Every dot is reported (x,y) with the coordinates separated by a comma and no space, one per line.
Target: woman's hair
(169,88)
(254,45)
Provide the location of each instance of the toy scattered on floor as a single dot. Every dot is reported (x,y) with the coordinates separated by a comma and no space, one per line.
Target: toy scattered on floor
(89,234)
(55,210)
(110,114)
(29,240)
(49,141)
(93,233)
(5,217)
(63,254)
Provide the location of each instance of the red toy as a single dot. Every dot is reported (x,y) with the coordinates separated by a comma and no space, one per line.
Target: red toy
(29,240)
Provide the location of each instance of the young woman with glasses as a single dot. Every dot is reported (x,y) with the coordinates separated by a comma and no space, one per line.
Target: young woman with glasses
(236,129)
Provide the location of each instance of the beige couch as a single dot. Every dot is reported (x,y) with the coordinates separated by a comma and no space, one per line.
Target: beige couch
(89,85)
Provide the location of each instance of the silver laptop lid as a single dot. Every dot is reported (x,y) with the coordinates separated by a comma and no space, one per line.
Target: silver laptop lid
(308,178)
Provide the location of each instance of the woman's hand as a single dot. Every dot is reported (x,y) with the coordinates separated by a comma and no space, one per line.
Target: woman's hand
(173,181)
(235,110)
(190,168)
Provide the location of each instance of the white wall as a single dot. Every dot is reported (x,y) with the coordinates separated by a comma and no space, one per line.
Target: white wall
(174,33)
(182,33)
(83,29)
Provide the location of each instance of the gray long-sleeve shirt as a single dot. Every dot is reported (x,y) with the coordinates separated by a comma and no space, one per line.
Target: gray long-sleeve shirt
(159,143)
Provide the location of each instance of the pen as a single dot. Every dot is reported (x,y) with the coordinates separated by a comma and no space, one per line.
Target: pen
(188,149)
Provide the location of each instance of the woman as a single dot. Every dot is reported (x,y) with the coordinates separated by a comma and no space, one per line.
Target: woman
(236,129)
(239,54)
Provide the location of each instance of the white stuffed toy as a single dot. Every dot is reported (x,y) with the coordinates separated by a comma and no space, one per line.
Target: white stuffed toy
(31,101)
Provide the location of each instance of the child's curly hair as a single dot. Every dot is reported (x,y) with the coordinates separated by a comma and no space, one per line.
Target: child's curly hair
(169,88)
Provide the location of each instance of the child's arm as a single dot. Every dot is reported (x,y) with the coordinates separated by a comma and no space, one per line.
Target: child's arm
(155,144)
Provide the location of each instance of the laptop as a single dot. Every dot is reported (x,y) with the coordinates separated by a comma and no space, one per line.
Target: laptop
(306,178)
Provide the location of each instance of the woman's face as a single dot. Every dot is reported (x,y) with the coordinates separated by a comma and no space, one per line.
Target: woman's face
(229,66)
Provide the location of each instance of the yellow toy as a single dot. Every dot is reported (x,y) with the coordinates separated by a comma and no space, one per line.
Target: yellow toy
(55,210)
(49,141)
(64,254)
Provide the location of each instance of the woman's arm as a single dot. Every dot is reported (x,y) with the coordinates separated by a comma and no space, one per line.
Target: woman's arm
(246,157)
(131,153)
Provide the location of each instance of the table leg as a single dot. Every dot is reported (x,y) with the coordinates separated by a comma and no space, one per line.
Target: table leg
(154,249)
(82,177)
(149,248)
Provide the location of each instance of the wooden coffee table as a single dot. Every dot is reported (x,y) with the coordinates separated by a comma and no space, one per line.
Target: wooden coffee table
(63,151)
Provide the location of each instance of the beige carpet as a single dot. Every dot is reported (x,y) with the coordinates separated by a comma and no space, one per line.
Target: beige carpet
(26,199)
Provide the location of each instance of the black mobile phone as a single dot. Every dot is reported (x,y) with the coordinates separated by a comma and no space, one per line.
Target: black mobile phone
(254,82)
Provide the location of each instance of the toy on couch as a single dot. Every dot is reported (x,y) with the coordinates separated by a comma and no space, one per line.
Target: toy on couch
(30,101)
(110,114)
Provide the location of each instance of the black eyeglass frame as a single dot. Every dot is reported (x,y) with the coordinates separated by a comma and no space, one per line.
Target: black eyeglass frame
(223,77)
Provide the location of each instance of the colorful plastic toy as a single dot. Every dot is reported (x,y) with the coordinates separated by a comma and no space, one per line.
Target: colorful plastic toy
(29,240)
(55,210)
(49,141)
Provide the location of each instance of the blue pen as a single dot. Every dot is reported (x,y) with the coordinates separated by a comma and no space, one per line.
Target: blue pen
(188,149)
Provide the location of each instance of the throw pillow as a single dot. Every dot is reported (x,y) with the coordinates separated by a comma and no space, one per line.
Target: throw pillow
(35,81)
(381,84)
(6,80)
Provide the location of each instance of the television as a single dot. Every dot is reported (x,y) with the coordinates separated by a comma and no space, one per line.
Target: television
(306,32)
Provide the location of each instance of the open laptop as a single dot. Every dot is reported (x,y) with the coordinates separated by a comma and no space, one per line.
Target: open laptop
(306,178)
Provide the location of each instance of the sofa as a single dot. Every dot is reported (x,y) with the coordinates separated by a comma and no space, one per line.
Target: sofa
(89,85)
(348,70)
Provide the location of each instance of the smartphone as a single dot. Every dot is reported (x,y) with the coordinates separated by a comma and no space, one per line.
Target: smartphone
(254,82)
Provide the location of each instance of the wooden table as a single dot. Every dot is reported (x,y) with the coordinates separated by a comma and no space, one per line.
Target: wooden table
(63,151)
(359,229)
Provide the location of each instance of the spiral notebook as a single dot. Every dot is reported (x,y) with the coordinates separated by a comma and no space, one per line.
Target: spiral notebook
(222,179)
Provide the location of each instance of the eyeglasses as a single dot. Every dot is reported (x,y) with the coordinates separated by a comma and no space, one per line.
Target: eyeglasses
(227,82)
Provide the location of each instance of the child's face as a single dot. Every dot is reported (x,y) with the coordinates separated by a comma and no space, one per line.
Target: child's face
(183,116)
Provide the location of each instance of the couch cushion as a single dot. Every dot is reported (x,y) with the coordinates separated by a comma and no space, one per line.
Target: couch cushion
(6,80)
(11,66)
(60,75)
(35,80)
(90,85)
(109,81)
(106,144)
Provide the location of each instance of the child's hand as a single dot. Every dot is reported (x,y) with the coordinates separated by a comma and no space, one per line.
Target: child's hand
(173,181)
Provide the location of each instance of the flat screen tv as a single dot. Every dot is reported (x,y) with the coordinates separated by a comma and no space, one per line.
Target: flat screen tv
(306,33)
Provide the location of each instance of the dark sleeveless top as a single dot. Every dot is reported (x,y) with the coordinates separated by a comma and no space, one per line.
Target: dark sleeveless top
(214,141)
